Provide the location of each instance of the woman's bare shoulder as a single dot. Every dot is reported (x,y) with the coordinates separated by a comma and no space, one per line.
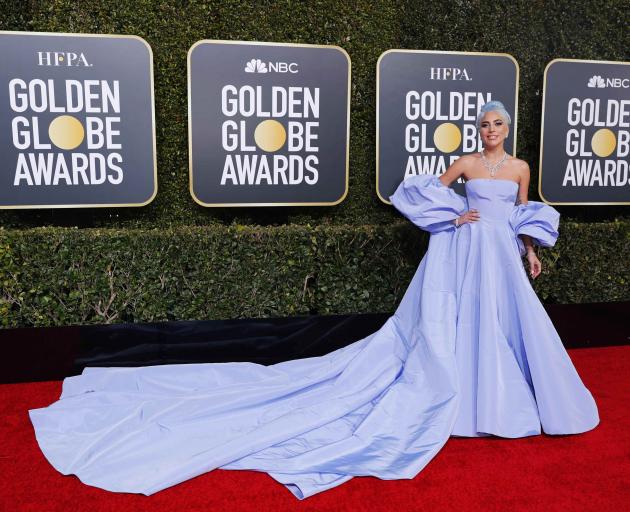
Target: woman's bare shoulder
(518,162)
(521,167)
(469,158)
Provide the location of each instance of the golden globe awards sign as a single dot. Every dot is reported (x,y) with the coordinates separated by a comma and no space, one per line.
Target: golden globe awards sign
(77,122)
(268,123)
(585,137)
(427,106)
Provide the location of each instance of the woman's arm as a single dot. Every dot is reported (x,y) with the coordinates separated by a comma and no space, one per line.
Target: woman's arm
(522,199)
(455,170)
(535,266)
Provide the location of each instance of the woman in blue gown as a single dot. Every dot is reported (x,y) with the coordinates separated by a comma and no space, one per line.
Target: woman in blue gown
(470,351)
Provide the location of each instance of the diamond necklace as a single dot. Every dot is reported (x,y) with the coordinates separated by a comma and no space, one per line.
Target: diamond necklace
(493,168)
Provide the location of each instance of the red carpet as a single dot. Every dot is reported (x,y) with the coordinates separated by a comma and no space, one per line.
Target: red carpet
(583,472)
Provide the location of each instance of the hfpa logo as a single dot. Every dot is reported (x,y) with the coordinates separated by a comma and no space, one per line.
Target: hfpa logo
(62,59)
(258,66)
(449,74)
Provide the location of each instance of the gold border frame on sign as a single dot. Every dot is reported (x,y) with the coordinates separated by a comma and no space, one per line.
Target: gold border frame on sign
(542,129)
(513,129)
(155,180)
(267,43)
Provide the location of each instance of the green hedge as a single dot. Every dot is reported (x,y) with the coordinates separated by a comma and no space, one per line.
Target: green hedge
(60,276)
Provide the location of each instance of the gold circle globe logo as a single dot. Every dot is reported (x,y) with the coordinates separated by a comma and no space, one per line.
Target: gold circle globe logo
(270,135)
(66,132)
(447,137)
(603,142)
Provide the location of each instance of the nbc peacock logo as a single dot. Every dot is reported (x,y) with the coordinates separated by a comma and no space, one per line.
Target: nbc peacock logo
(256,66)
(596,81)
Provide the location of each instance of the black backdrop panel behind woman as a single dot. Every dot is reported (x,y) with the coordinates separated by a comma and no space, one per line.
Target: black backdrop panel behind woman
(53,353)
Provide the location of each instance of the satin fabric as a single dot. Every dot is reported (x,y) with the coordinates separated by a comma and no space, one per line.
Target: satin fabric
(470,351)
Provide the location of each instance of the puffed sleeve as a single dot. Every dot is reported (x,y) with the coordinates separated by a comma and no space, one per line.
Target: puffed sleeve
(428,203)
(536,219)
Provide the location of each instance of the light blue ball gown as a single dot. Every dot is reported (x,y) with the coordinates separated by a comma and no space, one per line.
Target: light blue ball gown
(470,351)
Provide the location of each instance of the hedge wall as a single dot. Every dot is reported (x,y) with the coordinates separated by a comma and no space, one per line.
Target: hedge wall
(61,276)
(176,260)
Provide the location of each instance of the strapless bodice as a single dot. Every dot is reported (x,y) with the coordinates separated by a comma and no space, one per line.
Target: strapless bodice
(493,198)
(433,206)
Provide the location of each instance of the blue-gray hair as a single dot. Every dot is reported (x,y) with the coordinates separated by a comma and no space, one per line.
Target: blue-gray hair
(493,106)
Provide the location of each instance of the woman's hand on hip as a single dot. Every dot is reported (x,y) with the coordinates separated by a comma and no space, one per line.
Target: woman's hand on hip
(471,215)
